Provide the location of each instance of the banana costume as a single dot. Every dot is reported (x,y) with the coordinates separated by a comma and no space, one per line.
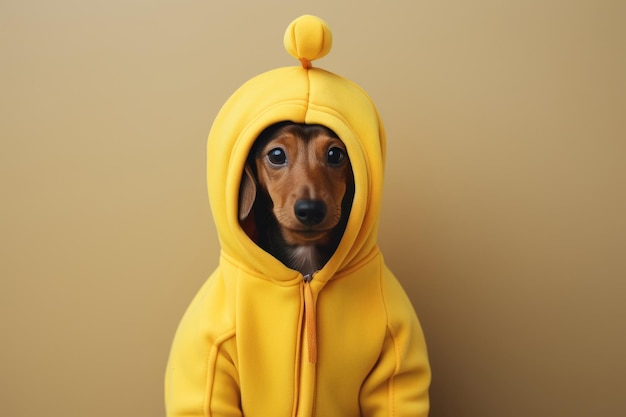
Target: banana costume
(258,340)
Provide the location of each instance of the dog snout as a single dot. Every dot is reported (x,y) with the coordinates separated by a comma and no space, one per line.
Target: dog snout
(310,212)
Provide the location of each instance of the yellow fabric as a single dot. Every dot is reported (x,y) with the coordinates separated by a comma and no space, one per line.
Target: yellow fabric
(243,346)
(308,37)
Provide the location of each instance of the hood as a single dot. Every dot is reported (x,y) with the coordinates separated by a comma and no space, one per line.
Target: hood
(300,94)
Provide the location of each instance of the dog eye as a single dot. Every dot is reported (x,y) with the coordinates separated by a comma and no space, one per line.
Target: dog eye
(336,156)
(277,156)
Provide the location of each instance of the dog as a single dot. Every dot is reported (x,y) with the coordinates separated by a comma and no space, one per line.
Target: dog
(296,194)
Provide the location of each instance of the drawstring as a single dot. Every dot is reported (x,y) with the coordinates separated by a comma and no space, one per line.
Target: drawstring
(309,318)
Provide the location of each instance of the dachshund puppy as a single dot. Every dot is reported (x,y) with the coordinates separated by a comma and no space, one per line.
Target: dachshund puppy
(296,194)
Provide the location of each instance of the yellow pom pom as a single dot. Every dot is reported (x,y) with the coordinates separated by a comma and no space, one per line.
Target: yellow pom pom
(308,38)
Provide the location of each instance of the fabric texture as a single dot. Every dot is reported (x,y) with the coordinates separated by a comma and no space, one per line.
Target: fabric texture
(243,347)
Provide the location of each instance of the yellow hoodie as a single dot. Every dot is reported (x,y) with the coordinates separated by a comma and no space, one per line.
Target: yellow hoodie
(258,340)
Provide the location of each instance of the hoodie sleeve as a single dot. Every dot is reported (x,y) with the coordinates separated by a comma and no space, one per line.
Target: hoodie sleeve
(201,377)
(398,385)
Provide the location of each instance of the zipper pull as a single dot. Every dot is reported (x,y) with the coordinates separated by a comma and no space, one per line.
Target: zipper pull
(310,318)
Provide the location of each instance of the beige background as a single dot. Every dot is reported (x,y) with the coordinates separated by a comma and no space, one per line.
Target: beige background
(503,213)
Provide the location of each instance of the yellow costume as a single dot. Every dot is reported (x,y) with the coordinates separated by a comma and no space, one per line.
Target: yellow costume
(259,341)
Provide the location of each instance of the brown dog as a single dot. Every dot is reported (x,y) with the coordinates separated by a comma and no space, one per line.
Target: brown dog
(296,194)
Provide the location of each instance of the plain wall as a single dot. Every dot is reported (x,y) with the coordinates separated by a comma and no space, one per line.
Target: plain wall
(504,210)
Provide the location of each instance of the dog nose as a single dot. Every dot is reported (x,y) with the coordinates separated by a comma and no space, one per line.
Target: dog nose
(310,212)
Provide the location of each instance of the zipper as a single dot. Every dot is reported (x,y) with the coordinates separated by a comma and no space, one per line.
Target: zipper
(310,318)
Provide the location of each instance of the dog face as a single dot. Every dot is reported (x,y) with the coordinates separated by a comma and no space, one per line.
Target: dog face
(305,171)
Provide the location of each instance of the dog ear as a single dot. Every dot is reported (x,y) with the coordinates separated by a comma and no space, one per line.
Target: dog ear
(247,193)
